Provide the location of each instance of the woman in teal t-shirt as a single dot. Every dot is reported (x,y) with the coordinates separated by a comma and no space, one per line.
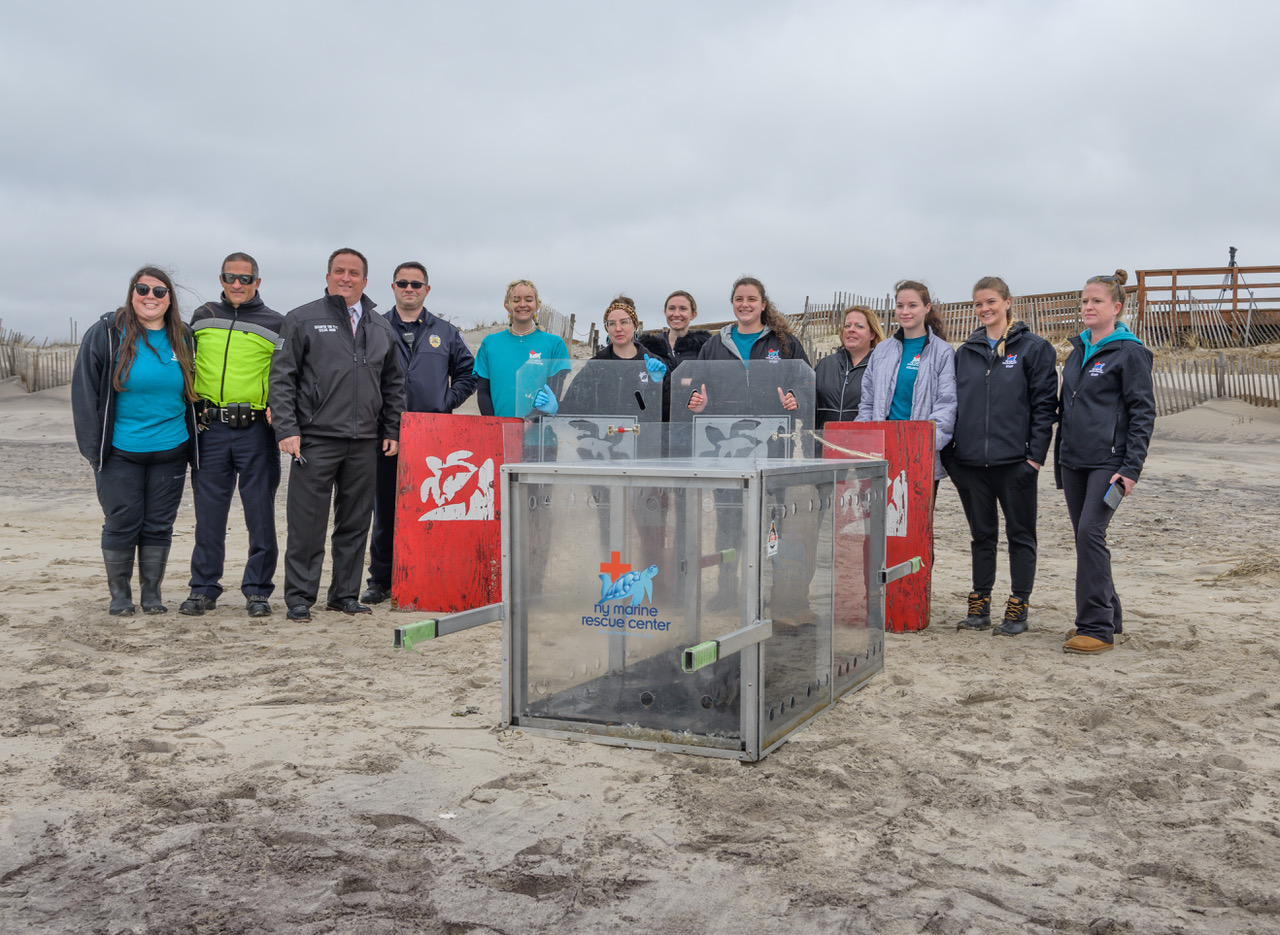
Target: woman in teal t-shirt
(131,400)
(912,375)
(502,354)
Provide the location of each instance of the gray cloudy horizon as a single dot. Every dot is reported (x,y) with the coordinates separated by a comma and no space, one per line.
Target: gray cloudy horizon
(599,149)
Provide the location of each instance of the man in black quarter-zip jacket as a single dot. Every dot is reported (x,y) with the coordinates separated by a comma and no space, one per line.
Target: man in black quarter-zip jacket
(337,392)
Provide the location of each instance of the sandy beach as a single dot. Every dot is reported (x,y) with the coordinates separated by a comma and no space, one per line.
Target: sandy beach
(218,774)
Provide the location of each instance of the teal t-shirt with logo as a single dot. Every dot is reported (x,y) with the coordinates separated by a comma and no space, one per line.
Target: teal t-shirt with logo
(502,354)
(744,342)
(908,369)
(151,414)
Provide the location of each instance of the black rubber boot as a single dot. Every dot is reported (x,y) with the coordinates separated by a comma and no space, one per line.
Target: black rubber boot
(151,562)
(979,613)
(119,564)
(1015,618)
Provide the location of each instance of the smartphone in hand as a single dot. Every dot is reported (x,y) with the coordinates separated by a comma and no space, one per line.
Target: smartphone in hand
(1114,494)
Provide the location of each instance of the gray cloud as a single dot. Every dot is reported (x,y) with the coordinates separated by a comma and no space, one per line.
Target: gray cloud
(638,148)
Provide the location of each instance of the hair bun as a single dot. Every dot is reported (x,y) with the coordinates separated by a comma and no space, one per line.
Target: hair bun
(1121,277)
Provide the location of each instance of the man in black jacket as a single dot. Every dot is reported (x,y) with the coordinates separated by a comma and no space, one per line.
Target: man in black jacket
(438,378)
(337,391)
(235,338)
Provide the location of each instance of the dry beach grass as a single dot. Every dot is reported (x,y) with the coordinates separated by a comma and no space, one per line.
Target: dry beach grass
(226,775)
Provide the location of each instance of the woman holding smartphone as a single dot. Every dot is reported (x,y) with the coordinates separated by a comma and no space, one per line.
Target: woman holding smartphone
(1106,411)
(1006,402)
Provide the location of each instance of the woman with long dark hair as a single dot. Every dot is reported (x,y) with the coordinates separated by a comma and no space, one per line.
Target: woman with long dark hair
(1006,394)
(1106,412)
(131,397)
(912,375)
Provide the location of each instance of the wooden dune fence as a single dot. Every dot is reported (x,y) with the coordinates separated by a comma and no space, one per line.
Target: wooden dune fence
(39,367)
(1182,384)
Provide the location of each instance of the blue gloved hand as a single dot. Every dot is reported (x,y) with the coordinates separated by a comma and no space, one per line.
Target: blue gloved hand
(546,401)
(657,369)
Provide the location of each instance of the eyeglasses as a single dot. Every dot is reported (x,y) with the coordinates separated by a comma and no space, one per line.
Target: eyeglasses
(406,284)
(143,289)
(246,279)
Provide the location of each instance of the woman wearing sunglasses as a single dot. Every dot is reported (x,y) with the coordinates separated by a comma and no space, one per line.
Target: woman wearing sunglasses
(131,397)
(1106,411)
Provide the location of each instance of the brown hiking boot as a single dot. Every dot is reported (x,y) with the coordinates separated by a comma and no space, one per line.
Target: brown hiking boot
(1085,644)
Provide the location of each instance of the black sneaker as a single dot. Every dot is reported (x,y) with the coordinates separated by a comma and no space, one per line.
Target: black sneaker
(257,605)
(348,605)
(196,604)
(375,594)
(979,612)
(299,614)
(1015,618)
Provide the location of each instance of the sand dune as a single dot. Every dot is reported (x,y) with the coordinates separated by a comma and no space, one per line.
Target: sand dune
(221,774)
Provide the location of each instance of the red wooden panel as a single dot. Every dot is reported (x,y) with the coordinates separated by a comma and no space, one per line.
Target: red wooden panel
(448,540)
(908,447)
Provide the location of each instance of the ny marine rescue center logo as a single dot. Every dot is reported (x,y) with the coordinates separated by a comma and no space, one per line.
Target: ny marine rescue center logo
(621,608)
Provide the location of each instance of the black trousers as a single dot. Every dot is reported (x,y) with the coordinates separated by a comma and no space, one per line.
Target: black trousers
(1013,488)
(345,469)
(140,493)
(382,544)
(1098,611)
(227,456)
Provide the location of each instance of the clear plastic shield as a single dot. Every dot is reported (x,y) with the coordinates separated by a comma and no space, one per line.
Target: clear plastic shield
(606,410)
(745,415)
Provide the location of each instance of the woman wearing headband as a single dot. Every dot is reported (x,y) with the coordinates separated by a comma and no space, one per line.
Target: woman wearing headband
(131,397)
(1106,412)
(1006,393)
(621,324)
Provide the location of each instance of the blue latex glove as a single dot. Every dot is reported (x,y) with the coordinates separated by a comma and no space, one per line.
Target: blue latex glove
(657,369)
(546,401)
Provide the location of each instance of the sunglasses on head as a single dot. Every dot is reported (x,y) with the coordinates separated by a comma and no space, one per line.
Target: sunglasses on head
(246,279)
(406,284)
(143,289)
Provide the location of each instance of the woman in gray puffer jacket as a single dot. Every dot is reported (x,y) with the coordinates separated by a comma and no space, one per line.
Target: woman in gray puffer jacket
(912,375)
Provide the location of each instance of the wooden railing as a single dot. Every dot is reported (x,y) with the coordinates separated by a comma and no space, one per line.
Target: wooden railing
(1216,306)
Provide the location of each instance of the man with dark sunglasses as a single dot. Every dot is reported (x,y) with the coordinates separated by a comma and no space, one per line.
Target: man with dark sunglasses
(235,337)
(438,378)
(337,391)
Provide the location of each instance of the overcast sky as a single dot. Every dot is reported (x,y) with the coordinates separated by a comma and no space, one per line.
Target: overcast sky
(599,148)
